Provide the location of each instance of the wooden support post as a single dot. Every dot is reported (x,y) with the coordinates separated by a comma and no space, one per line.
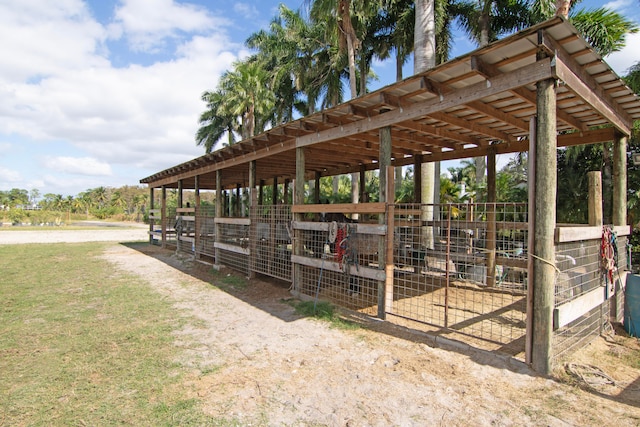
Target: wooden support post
(595,198)
(285,197)
(387,307)
(544,228)
(238,206)
(316,191)
(253,225)
(220,201)
(417,182)
(179,205)
(620,181)
(163,217)
(275,191)
(197,219)
(152,222)
(363,197)
(531,168)
(363,184)
(298,199)
(491,217)
(386,191)
(261,193)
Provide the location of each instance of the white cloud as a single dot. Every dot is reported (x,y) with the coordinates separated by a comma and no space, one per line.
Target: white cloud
(623,60)
(135,116)
(147,23)
(618,4)
(42,38)
(77,165)
(9,176)
(247,10)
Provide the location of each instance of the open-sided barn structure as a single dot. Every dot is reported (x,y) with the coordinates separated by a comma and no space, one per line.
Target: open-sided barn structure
(504,274)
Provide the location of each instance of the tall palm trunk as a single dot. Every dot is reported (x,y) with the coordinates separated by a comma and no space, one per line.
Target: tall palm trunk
(425,59)
(346,27)
(562,8)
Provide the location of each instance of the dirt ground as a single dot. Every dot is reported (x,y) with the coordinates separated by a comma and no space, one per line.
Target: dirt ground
(254,360)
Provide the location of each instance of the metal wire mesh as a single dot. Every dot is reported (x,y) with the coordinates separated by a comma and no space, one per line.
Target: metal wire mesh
(340,263)
(580,332)
(442,275)
(185,228)
(171,230)
(270,238)
(206,230)
(232,245)
(581,272)
(579,269)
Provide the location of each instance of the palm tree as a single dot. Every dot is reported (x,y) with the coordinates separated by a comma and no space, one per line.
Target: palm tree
(342,22)
(215,121)
(633,77)
(337,13)
(243,102)
(248,96)
(603,28)
(484,21)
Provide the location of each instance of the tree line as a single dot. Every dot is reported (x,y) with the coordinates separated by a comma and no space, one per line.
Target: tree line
(125,203)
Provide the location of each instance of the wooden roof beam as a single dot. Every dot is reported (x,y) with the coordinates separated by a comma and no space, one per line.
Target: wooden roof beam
(585,86)
(539,70)
(473,127)
(441,90)
(489,71)
(439,131)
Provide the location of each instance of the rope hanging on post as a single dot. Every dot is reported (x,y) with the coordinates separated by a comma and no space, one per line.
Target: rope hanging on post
(608,252)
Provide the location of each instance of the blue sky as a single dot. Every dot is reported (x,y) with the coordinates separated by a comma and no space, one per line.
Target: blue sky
(106,92)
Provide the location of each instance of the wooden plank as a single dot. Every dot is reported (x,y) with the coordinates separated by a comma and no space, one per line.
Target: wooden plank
(585,86)
(187,217)
(375,229)
(310,226)
(340,208)
(531,73)
(574,309)
(186,239)
(232,221)
(232,248)
(590,96)
(576,234)
(185,210)
(360,271)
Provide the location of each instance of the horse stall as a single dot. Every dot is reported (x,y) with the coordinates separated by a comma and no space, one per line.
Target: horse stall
(465,272)
(500,276)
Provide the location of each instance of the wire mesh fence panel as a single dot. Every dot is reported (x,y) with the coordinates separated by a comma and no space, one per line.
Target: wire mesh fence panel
(206,230)
(170,221)
(340,288)
(185,227)
(232,244)
(234,260)
(578,269)
(588,292)
(465,270)
(340,263)
(270,238)
(580,332)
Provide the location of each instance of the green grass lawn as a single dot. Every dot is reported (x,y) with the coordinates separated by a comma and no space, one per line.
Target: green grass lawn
(82,344)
